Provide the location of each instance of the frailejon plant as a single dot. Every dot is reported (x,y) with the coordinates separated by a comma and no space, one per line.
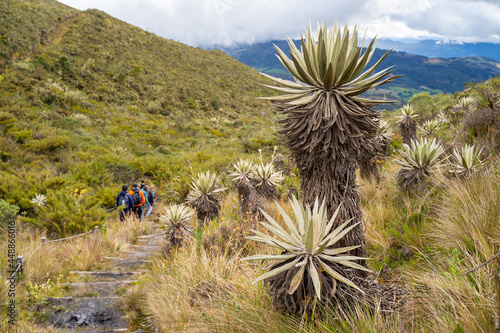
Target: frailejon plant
(467,162)
(430,126)
(244,170)
(267,180)
(326,121)
(310,265)
(466,103)
(408,123)
(177,218)
(204,196)
(442,118)
(39,199)
(420,160)
(248,198)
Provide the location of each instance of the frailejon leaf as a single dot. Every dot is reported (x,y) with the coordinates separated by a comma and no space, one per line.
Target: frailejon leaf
(277,270)
(315,278)
(338,277)
(297,279)
(339,250)
(270,257)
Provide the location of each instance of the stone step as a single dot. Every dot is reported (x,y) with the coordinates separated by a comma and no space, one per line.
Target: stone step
(106,276)
(100,288)
(157,235)
(153,242)
(148,248)
(127,262)
(140,255)
(86,313)
(106,331)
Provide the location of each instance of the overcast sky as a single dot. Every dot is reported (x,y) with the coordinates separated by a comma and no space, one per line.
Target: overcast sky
(206,23)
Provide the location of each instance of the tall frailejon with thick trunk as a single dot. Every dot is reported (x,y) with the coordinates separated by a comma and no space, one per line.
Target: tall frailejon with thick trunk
(326,121)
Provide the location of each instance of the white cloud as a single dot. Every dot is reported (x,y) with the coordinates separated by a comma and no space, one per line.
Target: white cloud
(227,22)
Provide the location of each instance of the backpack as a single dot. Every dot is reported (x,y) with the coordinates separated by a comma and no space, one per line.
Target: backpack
(123,201)
(145,197)
(137,197)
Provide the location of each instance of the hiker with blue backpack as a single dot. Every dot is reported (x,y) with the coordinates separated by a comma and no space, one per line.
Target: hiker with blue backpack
(124,200)
(139,200)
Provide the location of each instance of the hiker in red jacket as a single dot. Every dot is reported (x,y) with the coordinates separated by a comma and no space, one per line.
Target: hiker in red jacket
(139,200)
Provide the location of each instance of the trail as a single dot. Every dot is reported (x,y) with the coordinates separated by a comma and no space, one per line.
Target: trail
(95,301)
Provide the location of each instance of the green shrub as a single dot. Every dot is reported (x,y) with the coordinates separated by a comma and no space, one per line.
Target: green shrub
(154,107)
(22,135)
(49,144)
(68,212)
(8,213)
(7,120)
(66,122)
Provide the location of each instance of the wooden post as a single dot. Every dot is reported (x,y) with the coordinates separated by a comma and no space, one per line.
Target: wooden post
(20,263)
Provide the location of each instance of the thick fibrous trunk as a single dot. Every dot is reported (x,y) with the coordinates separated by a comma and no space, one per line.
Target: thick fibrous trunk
(325,151)
(371,156)
(408,131)
(249,201)
(368,168)
(267,190)
(207,208)
(335,180)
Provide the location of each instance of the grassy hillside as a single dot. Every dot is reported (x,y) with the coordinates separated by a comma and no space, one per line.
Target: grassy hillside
(88,101)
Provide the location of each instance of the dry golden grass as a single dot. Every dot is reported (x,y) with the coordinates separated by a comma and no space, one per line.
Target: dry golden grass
(204,292)
(468,215)
(47,266)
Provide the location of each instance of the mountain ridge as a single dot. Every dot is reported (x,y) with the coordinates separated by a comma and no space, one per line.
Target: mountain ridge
(420,73)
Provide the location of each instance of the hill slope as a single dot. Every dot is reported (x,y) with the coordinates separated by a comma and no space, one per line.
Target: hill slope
(88,101)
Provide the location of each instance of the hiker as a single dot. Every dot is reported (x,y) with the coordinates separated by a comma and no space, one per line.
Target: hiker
(138,199)
(150,199)
(142,184)
(147,205)
(124,199)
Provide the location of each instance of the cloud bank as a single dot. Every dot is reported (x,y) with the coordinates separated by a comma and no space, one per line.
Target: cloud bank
(206,23)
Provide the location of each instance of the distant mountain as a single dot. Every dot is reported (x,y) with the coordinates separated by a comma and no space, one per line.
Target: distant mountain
(436,75)
(434,48)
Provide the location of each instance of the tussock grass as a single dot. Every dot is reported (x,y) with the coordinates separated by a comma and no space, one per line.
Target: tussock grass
(209,292)
(468,215)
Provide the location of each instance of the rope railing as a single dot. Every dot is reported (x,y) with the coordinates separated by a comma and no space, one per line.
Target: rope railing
(43,241)
(96,229)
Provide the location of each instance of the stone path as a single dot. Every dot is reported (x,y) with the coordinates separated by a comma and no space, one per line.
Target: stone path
(95,300)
